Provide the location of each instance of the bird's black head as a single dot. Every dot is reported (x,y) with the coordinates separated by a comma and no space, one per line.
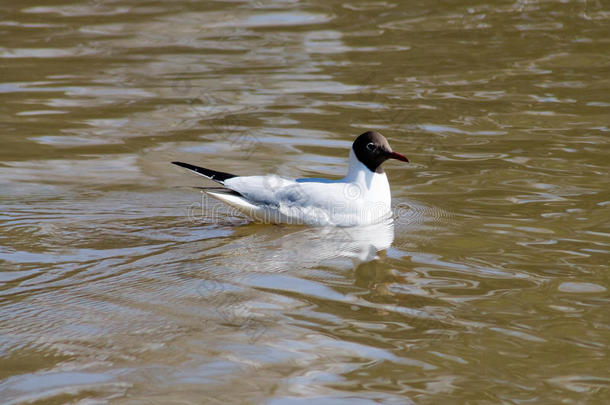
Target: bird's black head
(372,149)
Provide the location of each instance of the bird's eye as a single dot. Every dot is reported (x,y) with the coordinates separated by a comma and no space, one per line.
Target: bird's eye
(370,146)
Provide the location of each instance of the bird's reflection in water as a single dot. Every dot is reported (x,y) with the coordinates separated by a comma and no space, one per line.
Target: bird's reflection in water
(283,248)
(238,276)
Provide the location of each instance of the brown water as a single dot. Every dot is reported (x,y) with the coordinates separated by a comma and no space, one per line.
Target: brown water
(120,284)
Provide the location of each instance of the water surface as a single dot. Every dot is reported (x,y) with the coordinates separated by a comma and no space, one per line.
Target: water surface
(120,283)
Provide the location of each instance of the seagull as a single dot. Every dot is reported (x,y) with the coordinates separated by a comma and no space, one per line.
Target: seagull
(362,197)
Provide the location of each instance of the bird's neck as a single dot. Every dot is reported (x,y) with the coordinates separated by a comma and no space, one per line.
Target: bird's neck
(359,173)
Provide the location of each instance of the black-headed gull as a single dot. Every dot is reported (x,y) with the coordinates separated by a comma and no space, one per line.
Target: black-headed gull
(361,197)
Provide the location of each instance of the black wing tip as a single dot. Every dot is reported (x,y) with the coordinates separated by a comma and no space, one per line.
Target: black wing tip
(219,177)
(190,167)
(194,168)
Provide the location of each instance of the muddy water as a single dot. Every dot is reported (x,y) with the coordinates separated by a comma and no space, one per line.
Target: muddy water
(120,283)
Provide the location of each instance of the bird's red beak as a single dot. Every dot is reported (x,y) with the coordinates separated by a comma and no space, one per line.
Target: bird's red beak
(397,156)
